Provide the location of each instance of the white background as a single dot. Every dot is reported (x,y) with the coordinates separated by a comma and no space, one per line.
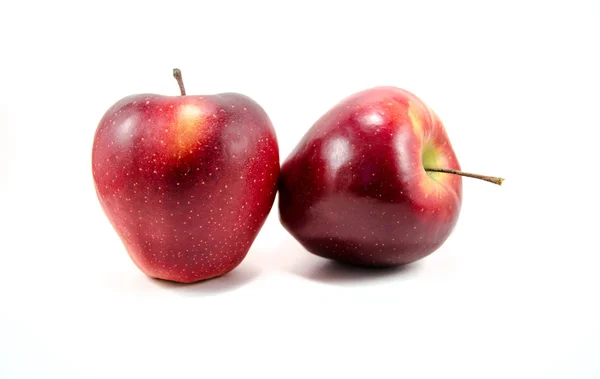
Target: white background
(512,294)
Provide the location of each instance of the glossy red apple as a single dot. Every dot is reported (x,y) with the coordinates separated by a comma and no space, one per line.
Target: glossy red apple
(186,181)
(360,187)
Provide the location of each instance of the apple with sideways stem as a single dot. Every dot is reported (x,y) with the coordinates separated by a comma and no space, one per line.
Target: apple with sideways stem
(374,182)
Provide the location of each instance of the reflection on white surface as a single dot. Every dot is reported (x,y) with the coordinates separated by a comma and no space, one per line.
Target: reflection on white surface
(338,153)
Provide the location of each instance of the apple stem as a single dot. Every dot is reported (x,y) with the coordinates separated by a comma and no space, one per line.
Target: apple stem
(179,78)
(491,179)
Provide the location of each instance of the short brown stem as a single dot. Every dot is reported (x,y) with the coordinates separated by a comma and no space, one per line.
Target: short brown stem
(179,78)
(491,179)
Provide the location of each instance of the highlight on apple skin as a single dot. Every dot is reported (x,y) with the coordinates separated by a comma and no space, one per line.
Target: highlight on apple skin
(361,186)
(186,181)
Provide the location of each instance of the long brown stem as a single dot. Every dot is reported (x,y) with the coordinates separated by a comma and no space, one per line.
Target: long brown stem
(177,75)
(491,179)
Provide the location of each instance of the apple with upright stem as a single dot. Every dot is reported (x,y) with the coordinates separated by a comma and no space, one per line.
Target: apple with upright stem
(374,182)
(186,181)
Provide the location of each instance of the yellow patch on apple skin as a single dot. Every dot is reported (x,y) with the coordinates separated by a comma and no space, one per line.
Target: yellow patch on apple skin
(433,158)
(430,186)
(416,120)
(190,122)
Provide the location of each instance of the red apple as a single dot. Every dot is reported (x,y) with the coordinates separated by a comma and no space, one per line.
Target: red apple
(186,181)
(360,187)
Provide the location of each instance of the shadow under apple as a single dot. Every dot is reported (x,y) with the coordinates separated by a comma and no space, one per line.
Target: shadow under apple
(332,272)
(327,271)
(240,276)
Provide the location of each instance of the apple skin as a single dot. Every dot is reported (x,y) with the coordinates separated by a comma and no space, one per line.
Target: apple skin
(186,181)
(355,189)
